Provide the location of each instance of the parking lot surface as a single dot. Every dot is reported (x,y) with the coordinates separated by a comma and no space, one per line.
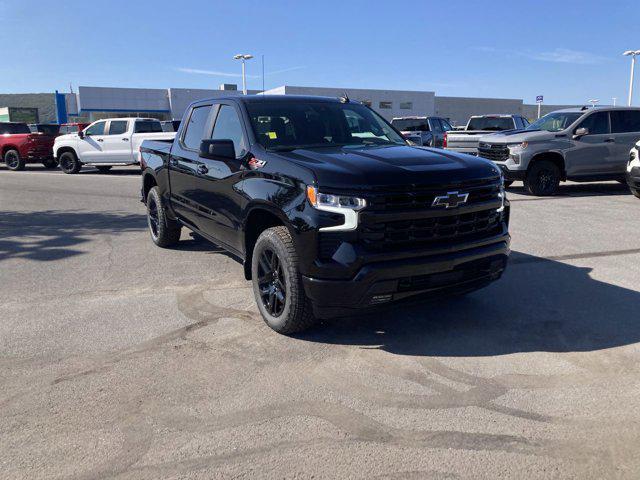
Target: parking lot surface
(119,359)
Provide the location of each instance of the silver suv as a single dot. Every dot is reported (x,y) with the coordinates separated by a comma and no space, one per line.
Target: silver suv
(579,144)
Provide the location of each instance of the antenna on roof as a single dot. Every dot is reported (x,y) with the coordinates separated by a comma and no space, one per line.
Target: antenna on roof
(344,98)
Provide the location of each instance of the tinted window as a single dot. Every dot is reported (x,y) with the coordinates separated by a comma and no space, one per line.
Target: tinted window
(490,123)
(194,133)
(623,121)
(47,129)
(95,129)
(435,123)
(410,124)
(446,126)
(147,126)
(597,123)
(117,127)
(14,128)
(228,127)
(316,124)
(525,122)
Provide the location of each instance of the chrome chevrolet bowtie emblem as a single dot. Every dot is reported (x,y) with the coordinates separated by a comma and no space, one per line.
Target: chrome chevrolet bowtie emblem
(450,200)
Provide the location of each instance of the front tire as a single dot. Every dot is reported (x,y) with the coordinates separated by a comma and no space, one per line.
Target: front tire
(164,232)
(69,163)
(13,160)
(277,283)
(543,178)
(50,163)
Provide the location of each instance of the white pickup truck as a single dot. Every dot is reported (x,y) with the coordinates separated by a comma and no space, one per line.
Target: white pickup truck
(107,143)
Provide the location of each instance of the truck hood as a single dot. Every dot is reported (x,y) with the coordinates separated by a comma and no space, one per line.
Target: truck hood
(519,136)
(396,165)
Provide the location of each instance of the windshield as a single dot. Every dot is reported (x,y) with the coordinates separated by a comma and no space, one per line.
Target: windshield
(410,124)
(13,128)
(554,122)
(309,124)
(491,123)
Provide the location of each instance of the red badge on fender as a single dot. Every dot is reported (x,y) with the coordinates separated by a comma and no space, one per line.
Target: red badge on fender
(254,163)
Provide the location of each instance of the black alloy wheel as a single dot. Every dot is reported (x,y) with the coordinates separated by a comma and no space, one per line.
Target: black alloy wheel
(271,283)
(13,161)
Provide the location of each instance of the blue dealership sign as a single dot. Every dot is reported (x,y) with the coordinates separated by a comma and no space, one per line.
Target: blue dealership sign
(539,99)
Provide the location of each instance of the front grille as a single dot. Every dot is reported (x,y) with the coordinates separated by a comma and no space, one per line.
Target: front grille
(430,231)
(496,153)
(422,198)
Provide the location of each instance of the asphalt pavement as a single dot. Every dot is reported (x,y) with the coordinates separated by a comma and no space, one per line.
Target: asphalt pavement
(119,359)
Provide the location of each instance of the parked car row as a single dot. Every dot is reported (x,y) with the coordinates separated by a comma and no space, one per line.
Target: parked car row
(103,144)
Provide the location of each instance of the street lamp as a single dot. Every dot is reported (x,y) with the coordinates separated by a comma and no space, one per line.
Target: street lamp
(593,102)
(632,54)
(243,57)
(615,99)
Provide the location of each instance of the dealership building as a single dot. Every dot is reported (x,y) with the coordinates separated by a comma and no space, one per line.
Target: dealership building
(92,103)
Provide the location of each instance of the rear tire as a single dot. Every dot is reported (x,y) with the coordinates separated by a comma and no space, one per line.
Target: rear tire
(104,168)
(542,179)
(50,163)
(277,283)
(13,160)
(69,163)
(635,192)
(164,232)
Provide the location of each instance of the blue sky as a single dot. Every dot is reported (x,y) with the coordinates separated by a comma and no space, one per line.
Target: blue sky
(569,51)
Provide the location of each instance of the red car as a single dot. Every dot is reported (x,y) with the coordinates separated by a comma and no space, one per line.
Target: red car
(18,146)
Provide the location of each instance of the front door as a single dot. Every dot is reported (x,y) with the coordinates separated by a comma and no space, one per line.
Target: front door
(590,153)
(90,147)
(116,146)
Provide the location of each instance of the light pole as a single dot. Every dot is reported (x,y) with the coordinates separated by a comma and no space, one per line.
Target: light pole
(614,100)
(593,102)
(243,57)
(632,54)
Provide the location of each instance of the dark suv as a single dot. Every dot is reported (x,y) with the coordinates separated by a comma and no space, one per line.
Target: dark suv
(326,205)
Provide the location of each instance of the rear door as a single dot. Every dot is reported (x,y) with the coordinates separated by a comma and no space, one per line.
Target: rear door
(625,130)
(185,165)
(116,146)
(90,147)
(590,154)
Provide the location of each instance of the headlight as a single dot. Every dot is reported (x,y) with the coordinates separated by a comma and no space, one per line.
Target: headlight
(345,205)
(517,148)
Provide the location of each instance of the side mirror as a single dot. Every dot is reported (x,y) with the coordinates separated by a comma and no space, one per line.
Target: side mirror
(580,132)
(217,149)
(80,133)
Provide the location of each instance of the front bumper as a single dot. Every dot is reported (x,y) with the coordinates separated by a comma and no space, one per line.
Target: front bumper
(384,282)
(633,178)
(511,175)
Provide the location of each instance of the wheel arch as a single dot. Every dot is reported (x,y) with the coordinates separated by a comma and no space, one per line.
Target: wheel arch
(62,150)
(554,157)
(258,218)
(148,182)
(6,148)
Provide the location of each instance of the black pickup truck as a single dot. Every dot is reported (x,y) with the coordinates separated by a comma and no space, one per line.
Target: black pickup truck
(326,205)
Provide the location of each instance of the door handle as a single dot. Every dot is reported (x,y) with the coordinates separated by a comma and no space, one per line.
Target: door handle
(202,169)
(125,139)
(99,140)
(609,140)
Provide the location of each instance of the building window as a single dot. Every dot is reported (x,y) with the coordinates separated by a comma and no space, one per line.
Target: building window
(386,105)
(406,106)
(366,103)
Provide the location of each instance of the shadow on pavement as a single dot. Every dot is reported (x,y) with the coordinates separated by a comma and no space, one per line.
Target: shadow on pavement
(539,305)
(577,190)
(53,235)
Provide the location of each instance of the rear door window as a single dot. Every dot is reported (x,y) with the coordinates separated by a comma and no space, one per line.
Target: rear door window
(597,123)
(194,131)
(625,121)
(117,127)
